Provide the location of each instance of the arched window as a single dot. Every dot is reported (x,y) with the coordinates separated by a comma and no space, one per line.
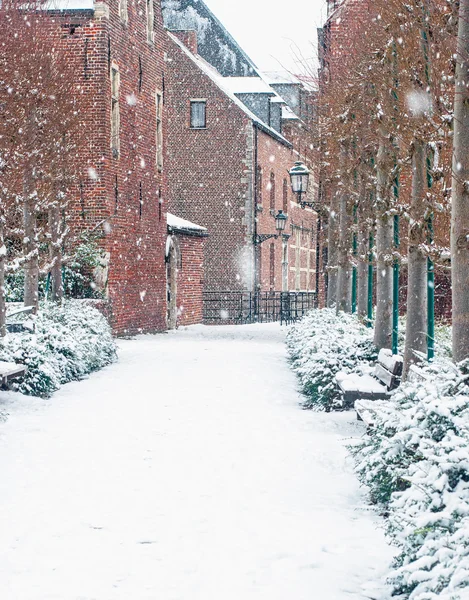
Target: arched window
(285,196)
(272,190)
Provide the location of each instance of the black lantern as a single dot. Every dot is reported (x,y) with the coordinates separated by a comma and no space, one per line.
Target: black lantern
(280,221)
(299,178)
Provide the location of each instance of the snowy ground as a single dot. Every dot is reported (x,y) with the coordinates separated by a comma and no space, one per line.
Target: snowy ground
(186,471)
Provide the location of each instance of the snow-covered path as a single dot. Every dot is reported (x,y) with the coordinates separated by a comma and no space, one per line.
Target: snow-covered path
(186,471)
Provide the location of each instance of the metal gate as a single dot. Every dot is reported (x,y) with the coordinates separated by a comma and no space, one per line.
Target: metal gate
(256,307)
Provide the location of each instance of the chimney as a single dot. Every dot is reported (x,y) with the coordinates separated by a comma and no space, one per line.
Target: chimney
(188,38)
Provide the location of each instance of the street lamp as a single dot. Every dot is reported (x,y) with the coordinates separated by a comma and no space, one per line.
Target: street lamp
(280,223)
(299,178)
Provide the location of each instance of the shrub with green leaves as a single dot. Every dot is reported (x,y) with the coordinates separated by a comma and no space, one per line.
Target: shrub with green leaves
(322,344)
(69,341)
(415,462)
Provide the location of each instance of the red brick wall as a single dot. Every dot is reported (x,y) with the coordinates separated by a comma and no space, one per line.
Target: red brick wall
(132,223)
(206,168)
(211,175)
(276,158)
(190,279)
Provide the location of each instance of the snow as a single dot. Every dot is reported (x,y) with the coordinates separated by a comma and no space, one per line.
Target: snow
(248,85)
(178,223)
(353,382)
(71,4)
(186,471)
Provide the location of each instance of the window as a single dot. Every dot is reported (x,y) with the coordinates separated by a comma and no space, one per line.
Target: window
(115,117)
(285,196)
(123,12)
(159,131)
(150,21)
(198,114)
(272,267)
(259,184)
(272,190)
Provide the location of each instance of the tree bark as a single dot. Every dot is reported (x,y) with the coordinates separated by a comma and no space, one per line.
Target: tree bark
(31,263)
(344,276)
(384,241)
(333,252)
(460,193)
(2,278)
(362,254)
(416,325)
(57,290)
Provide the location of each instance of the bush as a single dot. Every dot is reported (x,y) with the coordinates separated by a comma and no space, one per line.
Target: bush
(416,464)
(69,341)
(322,344)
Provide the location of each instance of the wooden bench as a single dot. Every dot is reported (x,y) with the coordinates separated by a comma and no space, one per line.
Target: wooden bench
(10,371)
(375,386)
(17,327)
(368,409)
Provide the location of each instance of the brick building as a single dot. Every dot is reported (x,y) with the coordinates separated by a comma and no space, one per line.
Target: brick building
(228,159)
(184,271)
(117,49)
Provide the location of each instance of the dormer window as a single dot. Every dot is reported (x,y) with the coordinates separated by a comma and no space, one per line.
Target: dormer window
(150,21)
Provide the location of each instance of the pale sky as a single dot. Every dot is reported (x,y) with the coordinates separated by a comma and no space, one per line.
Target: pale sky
(272,32)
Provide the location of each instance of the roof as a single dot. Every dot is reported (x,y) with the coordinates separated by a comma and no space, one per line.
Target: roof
(248,85)
(70,5)
(279,77)
(219,81)
(178,224)
(215,42)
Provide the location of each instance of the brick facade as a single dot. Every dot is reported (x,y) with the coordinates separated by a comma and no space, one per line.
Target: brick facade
(121,196)
(230,177)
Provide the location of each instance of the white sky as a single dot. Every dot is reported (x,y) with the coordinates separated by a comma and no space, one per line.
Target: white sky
(272,32)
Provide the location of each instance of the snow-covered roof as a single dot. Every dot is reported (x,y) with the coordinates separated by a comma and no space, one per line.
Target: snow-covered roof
(288,114)
(219,81)
(179,224)
(280,77)
(248,85)
(70,5)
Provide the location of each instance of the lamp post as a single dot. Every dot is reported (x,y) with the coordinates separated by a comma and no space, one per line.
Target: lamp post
(280,223)
(299,178)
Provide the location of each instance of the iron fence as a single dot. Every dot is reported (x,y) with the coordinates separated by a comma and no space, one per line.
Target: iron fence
(238,307)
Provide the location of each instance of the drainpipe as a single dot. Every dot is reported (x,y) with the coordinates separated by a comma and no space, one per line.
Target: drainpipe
(256,197)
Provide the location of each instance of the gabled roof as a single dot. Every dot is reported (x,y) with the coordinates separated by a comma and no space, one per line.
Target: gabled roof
(220,82)
(216,44)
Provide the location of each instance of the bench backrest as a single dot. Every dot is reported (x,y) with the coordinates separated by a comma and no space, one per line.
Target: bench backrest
(389,369)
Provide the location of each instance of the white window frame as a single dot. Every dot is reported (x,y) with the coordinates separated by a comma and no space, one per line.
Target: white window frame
(150,21)
(198,101)
(123,11)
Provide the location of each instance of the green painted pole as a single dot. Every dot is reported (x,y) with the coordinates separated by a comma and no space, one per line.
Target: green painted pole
(369,322)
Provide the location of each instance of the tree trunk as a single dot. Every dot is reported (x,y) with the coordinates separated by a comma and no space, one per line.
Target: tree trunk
(362,254)
(31,264)
(384,241)
(460,195)
(344,277)
(333,252)
(57,290)
(2,278)
(416,325)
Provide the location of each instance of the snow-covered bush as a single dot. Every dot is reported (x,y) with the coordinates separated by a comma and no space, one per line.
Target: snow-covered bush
(68,342)
(320,345)
(416,464)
